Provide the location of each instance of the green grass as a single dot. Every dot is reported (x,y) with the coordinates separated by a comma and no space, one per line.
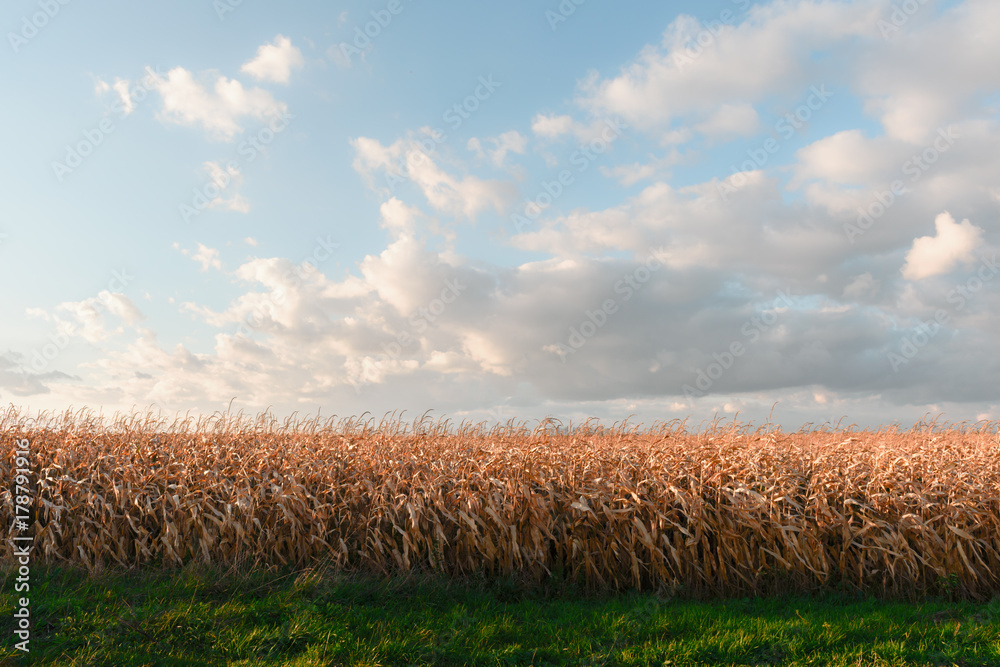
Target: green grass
(198,616)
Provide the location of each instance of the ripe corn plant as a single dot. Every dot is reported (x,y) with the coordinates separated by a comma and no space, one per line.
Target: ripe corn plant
(732,510)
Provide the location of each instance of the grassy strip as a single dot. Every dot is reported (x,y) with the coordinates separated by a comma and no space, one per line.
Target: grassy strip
(200,616)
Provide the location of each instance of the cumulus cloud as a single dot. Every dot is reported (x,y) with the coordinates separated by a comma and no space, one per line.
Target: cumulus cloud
(954,244)
(849,158)
(766,54)
(127,94)
(934,69)
(630,174)
(407,160)
(90,318)
(89,314)
(730,120)
(207,257)
(214,102)
(621,305)
(508,142)
(552,126)
(555,127)
(275,61)
(397,216)
(863,286)
(930,71)
(228,181)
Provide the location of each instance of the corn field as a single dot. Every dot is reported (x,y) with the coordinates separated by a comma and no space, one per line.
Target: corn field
(722,511)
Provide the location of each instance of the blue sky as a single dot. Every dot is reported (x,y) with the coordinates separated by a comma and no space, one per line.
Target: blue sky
(252,202)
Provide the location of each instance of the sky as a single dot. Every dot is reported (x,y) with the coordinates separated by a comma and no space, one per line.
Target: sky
(776,211)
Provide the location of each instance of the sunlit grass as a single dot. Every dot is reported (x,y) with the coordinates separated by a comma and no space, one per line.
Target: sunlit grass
(209,616)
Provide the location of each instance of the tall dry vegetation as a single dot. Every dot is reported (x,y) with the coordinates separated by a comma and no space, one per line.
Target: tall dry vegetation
(722,511)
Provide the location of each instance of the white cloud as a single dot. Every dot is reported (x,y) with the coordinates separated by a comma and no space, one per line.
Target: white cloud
(731,120)
(397,216)
(318,340)
(275,62)
(935,255)
(207,257)
(630,174)
(848,157)
(934,69)
(187,101)
(405,159)
(551,126)
(228,181)
(89,316)
(513,142)
(127,93)
(122,88)
(863,286)
(766,54)
(554,127)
